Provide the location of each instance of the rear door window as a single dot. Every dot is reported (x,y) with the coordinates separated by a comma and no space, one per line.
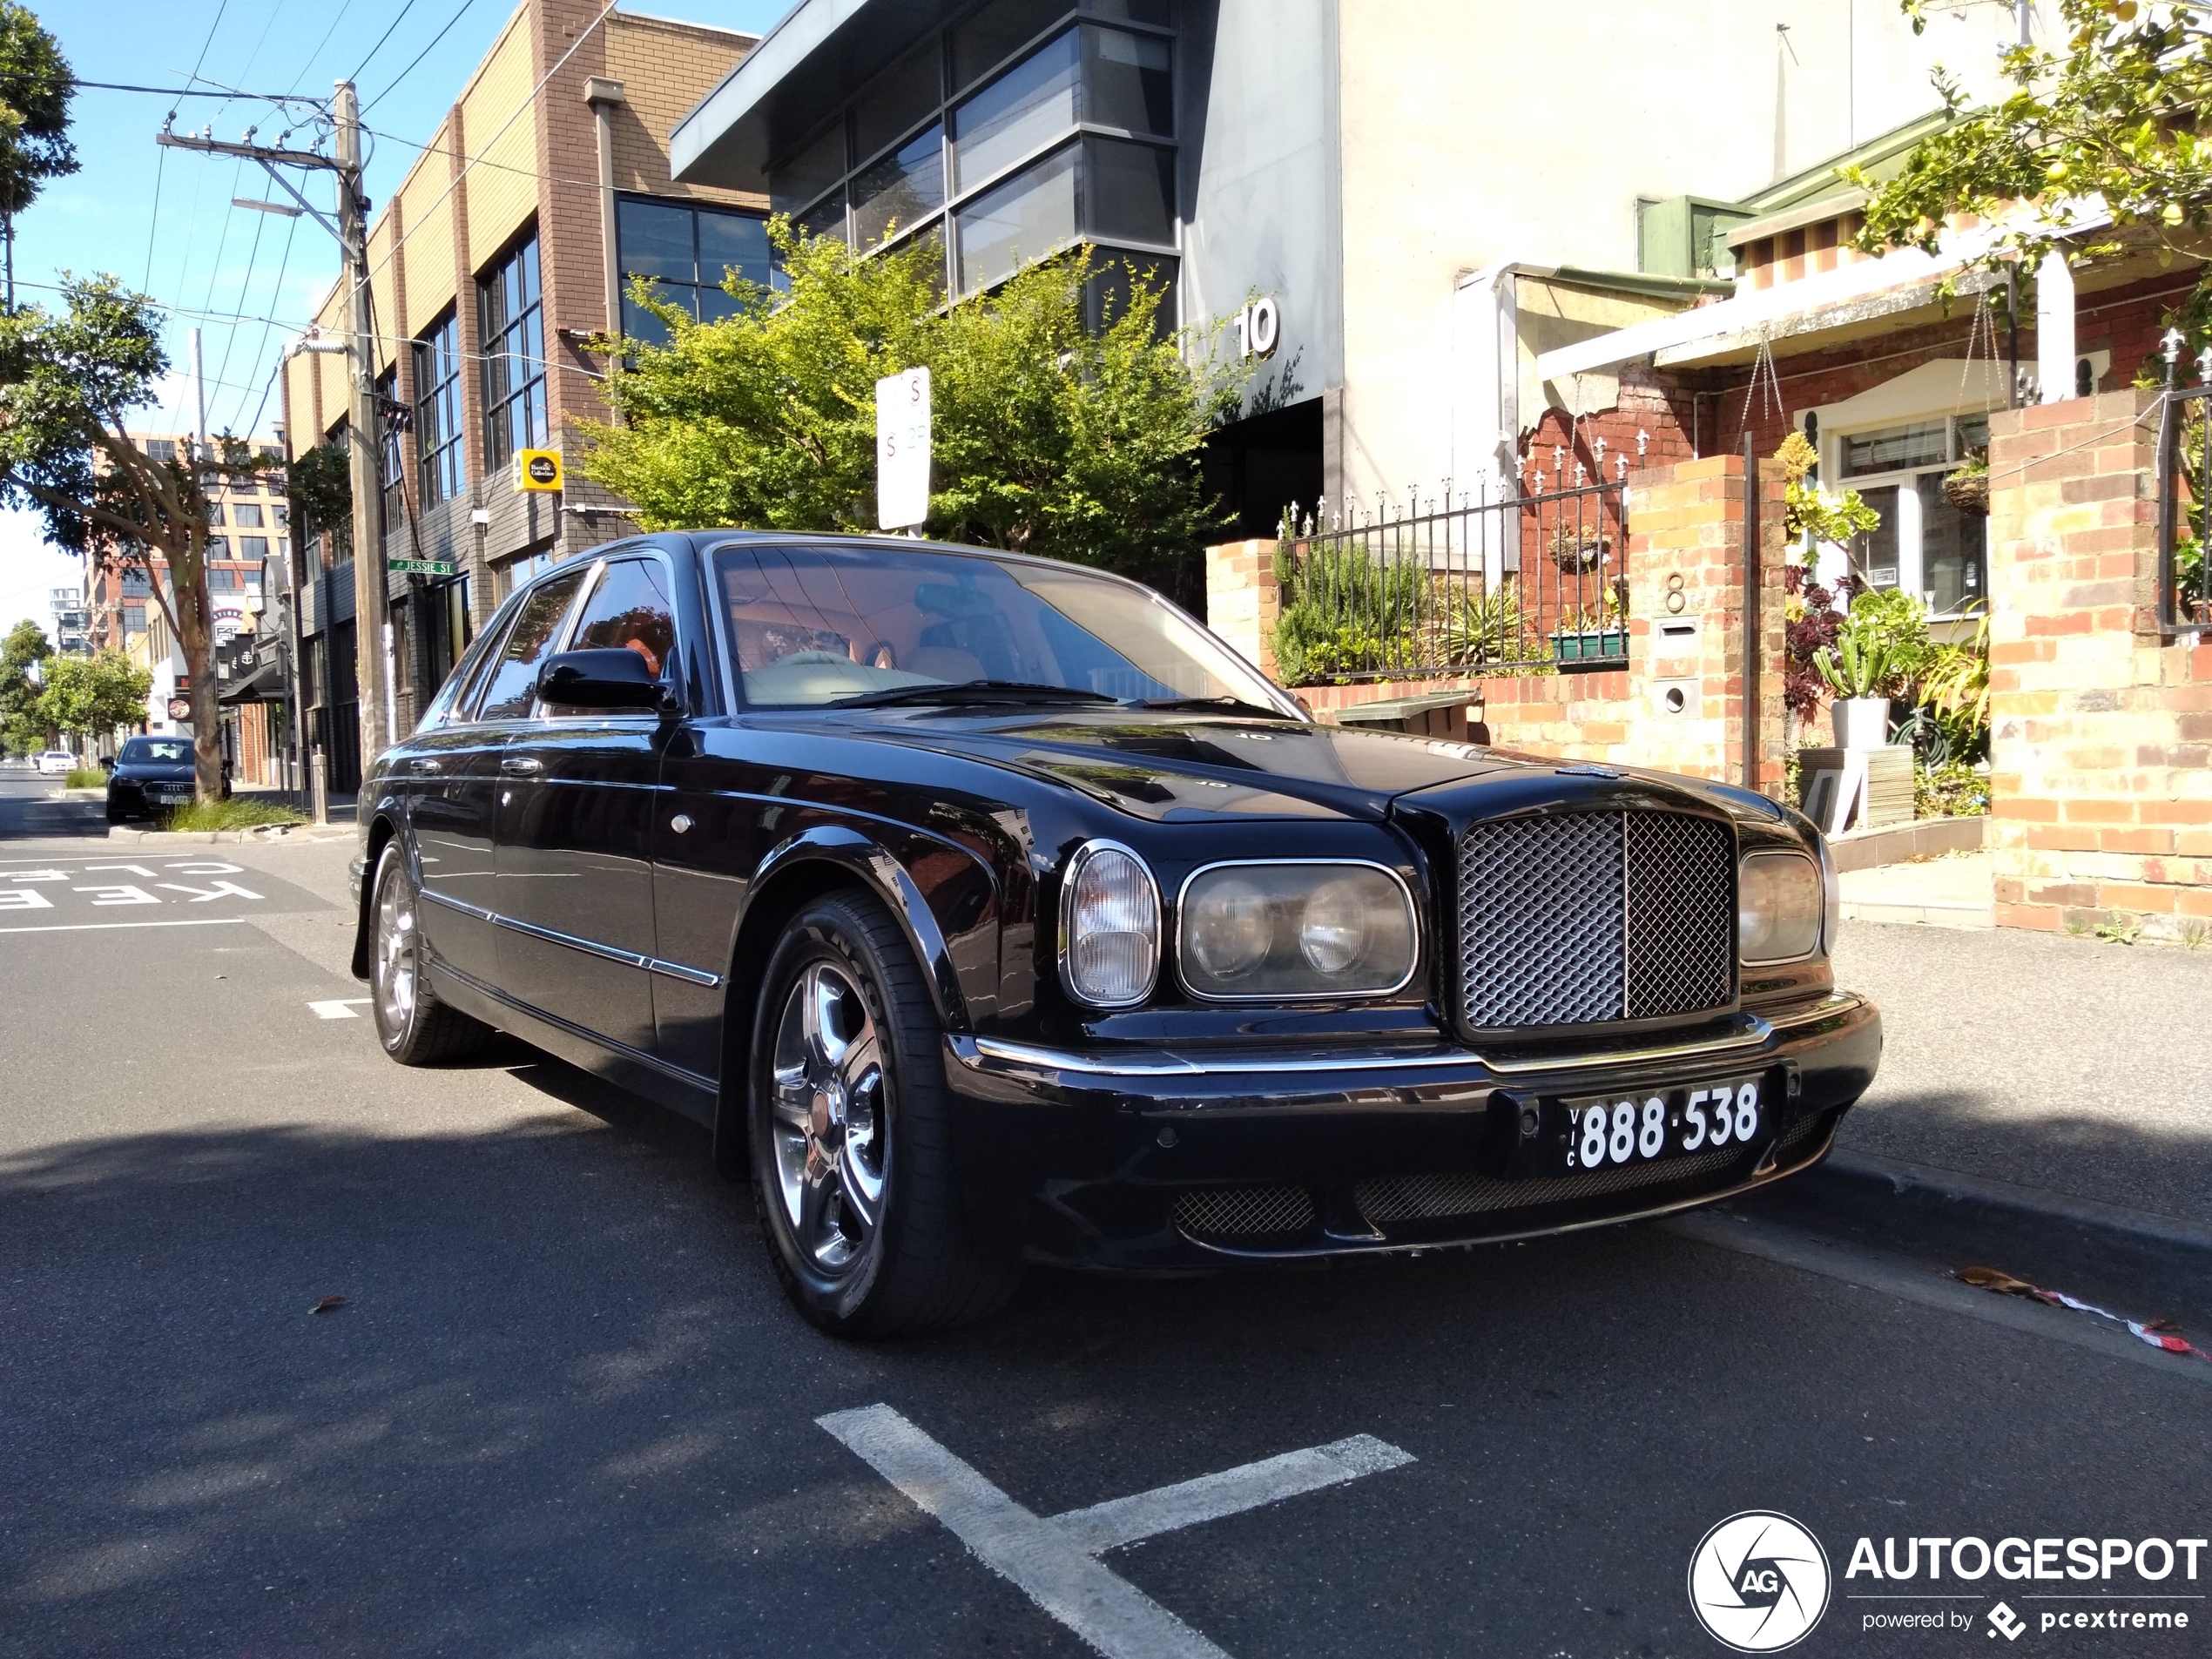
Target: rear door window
(514,681)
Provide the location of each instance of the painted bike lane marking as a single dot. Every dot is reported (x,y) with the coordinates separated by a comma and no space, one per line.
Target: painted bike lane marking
(1053,1559)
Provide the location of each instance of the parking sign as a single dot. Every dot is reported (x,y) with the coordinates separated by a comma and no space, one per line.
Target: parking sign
(902,449)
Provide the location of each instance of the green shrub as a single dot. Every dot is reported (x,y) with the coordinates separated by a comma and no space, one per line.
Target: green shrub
(1345,612)
(85,778)
(240,811)
(1956,789)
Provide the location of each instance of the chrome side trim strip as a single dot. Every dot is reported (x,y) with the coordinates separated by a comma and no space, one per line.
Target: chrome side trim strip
(589,947)
(637,1057)
(980,1053)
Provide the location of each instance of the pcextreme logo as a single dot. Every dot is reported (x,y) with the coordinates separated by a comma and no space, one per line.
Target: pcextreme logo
(1759,1581)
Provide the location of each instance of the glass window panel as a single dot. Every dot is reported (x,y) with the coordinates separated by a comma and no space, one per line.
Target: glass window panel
(1921,444)
(1129,192)
(902,189)
(1106,290)
(1134,10)
(1877,556)
(637,323)
(1024,218)
(514,683)
(214,512)
(908,93)
(1973,432)
(1952,545)
(995,32)
(246,515)
(1024,108)
(630,611)
(253,547)
(715,303)
(654,239)
(1126,82)
(827,219)
(732,242)
(813,169)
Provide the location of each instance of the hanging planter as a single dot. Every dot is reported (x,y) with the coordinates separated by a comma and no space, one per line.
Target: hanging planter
(1968,490)
(1575,549)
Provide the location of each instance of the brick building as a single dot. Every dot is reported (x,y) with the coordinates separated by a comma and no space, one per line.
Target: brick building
(503,249)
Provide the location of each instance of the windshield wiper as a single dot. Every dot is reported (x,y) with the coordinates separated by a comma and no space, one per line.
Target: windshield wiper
(1225,704)
(977,692)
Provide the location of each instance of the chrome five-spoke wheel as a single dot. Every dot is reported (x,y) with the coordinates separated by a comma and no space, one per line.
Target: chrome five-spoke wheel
(830,1110)
(396,958)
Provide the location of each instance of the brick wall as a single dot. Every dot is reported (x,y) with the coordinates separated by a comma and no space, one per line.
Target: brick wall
(2100,732)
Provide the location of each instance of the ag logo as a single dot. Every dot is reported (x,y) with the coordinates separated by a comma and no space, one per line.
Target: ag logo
(1758,1583)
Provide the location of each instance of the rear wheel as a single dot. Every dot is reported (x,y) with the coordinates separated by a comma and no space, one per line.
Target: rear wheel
(850,1132)
(415,1027)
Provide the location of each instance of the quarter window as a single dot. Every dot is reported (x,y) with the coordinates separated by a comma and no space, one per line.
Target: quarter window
(437,412)
(511,312)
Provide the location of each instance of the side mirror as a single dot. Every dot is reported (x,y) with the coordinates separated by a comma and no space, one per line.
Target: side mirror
(614,678)
(107,763)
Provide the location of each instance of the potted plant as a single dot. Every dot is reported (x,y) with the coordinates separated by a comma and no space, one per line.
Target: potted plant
(1598,634)
(1968,487)
(1579,547)
(1857,669)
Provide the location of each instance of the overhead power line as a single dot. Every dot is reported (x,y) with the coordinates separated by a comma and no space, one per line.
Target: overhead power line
(380,39)
(189,91)
(419,56)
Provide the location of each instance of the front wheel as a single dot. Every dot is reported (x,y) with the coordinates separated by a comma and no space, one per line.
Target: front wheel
(852,1148)
(415,1027)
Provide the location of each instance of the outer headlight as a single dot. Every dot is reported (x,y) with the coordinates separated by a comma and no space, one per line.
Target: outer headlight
(1109,927)
(1780,903)
(1277,929)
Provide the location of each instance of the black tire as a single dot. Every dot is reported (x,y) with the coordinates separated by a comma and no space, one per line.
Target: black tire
(415,1027)
(912,1267)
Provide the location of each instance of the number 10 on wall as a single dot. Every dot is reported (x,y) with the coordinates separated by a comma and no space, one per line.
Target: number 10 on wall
(1259,326)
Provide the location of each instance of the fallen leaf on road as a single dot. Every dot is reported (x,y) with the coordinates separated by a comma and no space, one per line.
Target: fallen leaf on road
(2159,1333)
(328,1304)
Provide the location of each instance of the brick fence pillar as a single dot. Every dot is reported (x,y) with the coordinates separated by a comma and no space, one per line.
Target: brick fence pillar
(1242,600)
(2099,730)
(1686,622)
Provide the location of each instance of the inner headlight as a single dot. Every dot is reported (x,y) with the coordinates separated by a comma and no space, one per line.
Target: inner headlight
(1780,903)
(1110,919)
(1274,930)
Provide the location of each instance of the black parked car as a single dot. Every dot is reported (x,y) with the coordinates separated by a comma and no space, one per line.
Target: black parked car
(986,906)
(150,775)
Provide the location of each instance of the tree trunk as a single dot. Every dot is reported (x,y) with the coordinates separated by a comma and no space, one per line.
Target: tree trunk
(196,635)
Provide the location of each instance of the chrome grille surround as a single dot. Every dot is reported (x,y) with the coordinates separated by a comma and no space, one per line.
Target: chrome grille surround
(1582,917)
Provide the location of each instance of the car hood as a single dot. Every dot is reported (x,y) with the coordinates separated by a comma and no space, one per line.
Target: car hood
(1167,767)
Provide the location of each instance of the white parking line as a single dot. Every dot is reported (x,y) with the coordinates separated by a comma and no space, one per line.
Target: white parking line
(338,1008)
(1054,1560)
(109,926)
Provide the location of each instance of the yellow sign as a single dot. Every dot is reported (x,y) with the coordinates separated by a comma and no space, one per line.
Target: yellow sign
(537,469)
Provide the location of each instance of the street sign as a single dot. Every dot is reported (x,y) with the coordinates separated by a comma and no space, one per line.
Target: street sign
(537,470)
(420,567)
(902,449)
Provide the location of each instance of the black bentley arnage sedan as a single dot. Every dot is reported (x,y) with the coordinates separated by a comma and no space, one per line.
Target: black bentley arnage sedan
(988,908)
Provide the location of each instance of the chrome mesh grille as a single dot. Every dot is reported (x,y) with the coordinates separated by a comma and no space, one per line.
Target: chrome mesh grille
(1218,1212)
(1579,918)
(1423,1197)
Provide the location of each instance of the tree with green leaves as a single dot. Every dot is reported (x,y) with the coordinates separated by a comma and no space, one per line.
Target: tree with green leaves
(2112,109)
(68,382)
(1047,436)
(91,696)
(25,647)
(36,86)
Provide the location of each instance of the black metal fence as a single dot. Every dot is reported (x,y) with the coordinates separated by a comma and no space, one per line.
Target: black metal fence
(2184,510)
(1523,582)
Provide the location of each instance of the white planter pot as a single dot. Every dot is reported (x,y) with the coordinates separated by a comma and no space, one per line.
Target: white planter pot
(1861,722)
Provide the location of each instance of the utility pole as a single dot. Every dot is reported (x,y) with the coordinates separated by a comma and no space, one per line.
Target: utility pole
(372,604)
(371,607)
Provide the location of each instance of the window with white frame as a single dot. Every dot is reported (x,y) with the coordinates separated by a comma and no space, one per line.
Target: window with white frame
(1922,544)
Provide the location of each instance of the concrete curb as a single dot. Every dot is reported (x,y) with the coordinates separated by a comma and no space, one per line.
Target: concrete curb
(262,837)
(1984,1218)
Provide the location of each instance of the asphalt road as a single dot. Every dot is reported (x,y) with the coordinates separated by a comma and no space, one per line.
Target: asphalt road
(564,1410)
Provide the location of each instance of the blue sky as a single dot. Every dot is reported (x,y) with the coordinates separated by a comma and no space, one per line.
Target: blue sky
(162,221)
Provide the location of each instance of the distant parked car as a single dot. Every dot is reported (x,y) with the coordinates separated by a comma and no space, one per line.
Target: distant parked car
(57,761)
(150,775)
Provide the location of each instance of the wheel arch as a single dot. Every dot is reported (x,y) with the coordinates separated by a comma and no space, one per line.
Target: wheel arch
(381,831)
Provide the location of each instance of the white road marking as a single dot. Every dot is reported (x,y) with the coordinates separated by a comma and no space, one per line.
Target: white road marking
(128,893)
(1054,1560)
(198,896)
(1124,1520)
(110,926)
(338,1008)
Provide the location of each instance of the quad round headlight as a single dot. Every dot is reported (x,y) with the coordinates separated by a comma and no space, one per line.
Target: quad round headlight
(1780,903)
(1295,929)
(1109,927)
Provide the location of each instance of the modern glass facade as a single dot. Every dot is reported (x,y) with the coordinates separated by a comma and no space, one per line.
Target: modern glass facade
(510,315)
(686,250)
(1022,129)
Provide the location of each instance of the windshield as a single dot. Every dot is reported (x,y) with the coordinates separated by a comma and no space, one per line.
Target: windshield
(155,752)
(814,623)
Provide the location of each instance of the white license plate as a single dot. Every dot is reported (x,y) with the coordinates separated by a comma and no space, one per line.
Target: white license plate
(1651,1124)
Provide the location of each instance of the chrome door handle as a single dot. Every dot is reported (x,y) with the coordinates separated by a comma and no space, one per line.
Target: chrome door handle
(521,765)
(422,765)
